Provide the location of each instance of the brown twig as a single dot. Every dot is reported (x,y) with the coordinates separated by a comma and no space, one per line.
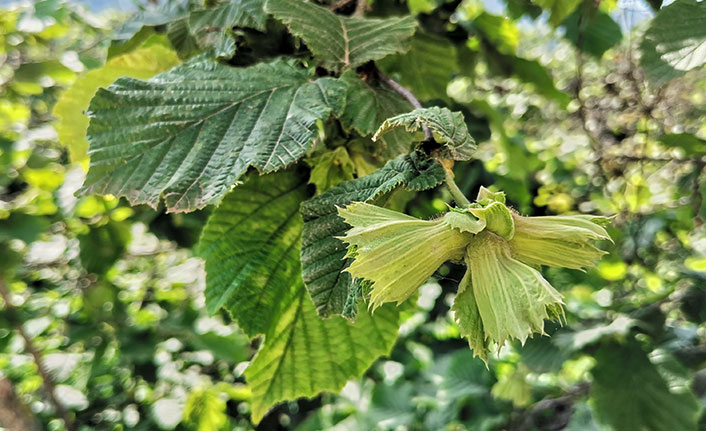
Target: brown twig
(340,4)
(654,159)
(360,7)
(409,96)
(47,380)
(561,407)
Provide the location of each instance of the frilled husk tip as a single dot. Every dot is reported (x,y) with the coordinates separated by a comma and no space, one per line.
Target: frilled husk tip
(509,299)
(559,241)
(397,252)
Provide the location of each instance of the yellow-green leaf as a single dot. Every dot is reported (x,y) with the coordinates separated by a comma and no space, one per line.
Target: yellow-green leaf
(72,123)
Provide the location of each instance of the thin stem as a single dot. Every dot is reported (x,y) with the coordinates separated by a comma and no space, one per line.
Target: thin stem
(47,381)
(398,88)
(409,96)
(339,4)
(456,192)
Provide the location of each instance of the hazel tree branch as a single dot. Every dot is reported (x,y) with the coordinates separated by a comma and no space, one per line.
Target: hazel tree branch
(340,4)
(456,192)
(360,7)
(409,96)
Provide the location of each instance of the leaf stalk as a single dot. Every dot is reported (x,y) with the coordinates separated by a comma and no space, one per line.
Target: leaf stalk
(456,192)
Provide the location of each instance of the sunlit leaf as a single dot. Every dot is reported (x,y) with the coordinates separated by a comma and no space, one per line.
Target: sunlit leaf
(72,122)
(303,354)
(330,168)
(250,245)
(675,42)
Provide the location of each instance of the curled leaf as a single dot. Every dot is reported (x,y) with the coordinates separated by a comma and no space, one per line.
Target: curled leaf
(449,129)
(397,252)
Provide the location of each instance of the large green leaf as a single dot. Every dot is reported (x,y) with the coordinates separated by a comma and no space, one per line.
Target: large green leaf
(303,354)
(449,129)
(72,123)
(368,104)
(323,254)
(210,27)
(629,393)
(675,42)
(251,248)
(235,13)
(341,42)
(427,67)
(594,33)
(189,134)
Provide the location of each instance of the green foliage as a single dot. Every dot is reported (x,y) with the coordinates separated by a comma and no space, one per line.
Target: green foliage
(181,145)
(303,354)
(675,42)
(340,42)
(103,245)
(642,398)
(594,32)
(72,123)
(397,252)
(259,224)
(211,27)
(330,168)
(368,104)
(244,13)
(323,254)
(449,129)
(264,135)
(690,144)
(427,67)
(558,9)
(250,245)
(206,410)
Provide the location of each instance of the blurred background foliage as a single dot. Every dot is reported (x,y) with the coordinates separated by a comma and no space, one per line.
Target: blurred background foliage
(103,325)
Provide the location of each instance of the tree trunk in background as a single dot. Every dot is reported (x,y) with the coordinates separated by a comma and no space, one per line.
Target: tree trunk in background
(14,415)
